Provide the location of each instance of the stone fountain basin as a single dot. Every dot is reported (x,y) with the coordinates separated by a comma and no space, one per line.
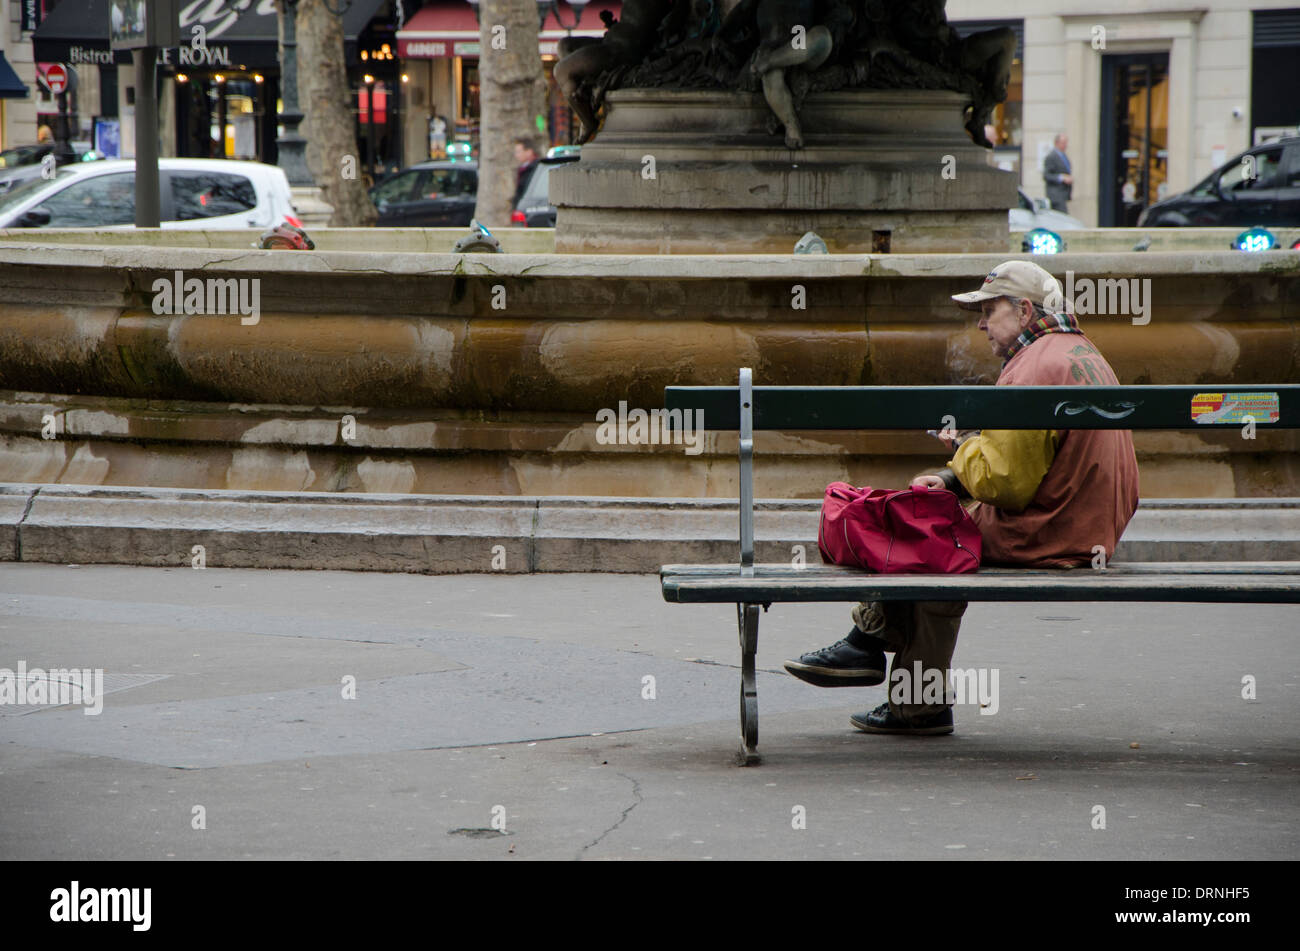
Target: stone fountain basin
(451,394)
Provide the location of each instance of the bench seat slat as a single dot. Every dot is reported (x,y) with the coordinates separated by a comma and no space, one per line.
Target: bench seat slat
(794,585)
(783,570)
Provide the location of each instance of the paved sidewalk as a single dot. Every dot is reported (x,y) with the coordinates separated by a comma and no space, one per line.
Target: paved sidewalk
(487,696)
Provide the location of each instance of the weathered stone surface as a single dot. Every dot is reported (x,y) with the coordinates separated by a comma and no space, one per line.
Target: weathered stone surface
(677,172)
(575,534)
(542,240)
(120,442)
(254,530)
(576,334)
(14,502)
(1213,530)
(417,240)
(452,396)
(445,534)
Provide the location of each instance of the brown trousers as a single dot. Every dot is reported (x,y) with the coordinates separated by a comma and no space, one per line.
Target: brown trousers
(924,631)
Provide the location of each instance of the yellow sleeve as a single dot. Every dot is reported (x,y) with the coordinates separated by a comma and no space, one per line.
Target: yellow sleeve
(1004,467)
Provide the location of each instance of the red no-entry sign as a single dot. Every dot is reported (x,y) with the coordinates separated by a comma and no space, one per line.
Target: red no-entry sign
(56,77)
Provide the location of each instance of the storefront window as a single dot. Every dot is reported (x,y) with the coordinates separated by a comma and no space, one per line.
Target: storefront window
(1134,136)
(241,123)
(467,120)
(223,115)
(1006,122)
(375,128)
(1275,74)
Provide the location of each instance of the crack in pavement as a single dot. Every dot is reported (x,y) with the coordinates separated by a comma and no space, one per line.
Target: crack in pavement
(636,791)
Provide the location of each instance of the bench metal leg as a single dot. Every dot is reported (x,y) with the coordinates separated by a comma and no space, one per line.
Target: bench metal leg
(747,622)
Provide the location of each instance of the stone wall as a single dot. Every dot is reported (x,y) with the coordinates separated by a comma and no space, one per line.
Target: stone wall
(451,394)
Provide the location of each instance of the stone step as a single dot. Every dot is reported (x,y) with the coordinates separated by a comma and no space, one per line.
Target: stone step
(447,534)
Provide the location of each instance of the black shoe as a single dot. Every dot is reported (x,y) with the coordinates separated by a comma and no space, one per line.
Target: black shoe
(840,665)
(881,720)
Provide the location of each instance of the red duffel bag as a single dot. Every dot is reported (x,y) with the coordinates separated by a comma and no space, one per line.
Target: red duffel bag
(907,531)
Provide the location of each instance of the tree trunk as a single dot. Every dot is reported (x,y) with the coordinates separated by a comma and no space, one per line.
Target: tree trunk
(329,126)
(512,95)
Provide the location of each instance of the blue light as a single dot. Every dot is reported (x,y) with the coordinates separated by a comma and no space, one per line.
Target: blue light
(1256,239)
(1042,241)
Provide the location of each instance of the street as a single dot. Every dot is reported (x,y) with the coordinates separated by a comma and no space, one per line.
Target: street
(327,714)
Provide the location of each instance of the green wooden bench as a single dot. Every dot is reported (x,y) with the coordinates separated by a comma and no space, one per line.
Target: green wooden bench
(749,586)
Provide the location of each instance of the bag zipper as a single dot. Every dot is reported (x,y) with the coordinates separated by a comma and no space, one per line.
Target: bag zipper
(956,541)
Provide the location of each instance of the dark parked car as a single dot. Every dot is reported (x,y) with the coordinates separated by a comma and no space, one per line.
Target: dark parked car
(22,163)
(436,194)
(25,155)
(534,208)
(1261,186)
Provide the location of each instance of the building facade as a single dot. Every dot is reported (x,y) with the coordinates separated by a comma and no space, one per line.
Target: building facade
(438,49)
(1152,95)
(219,90)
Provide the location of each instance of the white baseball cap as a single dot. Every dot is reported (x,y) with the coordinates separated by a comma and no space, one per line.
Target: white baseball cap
(1015,279)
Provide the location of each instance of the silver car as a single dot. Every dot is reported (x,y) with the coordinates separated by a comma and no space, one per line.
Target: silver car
(1036,213)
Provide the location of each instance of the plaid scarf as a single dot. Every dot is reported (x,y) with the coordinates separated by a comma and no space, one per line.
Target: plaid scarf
(1062,323)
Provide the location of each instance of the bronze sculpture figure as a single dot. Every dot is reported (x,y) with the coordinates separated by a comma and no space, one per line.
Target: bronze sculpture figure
(787,48)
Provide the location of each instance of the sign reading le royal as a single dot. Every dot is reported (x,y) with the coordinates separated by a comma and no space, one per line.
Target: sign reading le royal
(204,21)
(214,55)
(202,33)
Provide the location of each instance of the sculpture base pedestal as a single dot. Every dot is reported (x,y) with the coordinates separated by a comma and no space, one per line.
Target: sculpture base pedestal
(675,172)
(312,210)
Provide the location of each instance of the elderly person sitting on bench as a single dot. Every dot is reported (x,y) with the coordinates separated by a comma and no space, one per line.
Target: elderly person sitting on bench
(1044,498)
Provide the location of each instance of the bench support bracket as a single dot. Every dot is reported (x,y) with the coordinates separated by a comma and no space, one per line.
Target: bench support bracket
(747,622)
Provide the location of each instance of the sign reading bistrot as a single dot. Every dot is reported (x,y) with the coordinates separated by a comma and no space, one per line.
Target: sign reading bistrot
(135,24)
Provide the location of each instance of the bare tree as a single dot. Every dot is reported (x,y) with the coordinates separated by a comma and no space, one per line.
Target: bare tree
(512,96)
(329,126)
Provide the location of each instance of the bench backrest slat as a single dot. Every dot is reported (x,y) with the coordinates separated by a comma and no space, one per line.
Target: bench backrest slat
(746,471)
(994,407)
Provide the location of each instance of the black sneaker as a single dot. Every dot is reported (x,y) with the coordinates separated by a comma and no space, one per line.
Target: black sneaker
(840,665)
(881,720)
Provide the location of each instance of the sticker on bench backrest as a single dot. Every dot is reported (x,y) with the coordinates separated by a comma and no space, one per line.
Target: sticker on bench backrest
(1233,408)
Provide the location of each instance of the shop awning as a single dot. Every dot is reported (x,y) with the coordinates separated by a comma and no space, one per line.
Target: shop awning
(444,28)
(239,33)
(11,87)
